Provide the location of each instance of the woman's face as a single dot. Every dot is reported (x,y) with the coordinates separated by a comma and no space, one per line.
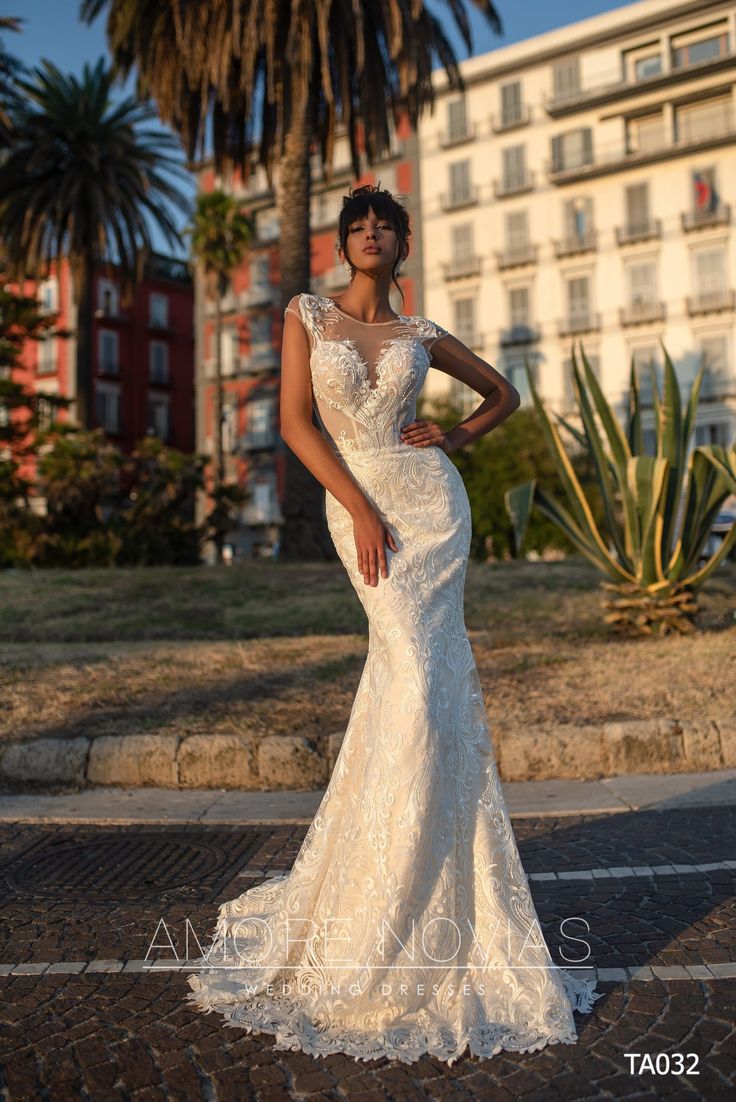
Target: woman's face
(372,243)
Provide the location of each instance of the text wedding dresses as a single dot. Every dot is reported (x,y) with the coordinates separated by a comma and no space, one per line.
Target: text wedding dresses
(406,925)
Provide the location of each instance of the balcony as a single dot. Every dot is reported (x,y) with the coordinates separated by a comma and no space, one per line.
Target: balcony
(700,219)
(520,334)
(461,266)
(109,368)
(711,302)
(517,256)
(448,140)
(642,231)
(579,323)
(259,294)
(501,125)
(263,355)
(716,385)
(459,199)
(254,513)
(576,244)
(639,313)
(619,156)
(516,186)
(254,441)
(615,88)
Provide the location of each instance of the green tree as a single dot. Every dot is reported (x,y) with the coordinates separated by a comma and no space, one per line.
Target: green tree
(10,71)
(87,178)
(222,69)
(220,237)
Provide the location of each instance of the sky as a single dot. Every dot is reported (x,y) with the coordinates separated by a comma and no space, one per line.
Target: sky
(51,29)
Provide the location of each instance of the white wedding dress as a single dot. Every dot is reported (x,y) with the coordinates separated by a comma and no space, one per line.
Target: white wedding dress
(406,925)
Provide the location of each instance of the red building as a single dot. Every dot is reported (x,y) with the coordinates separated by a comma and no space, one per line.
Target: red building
(143,353)
(252,325)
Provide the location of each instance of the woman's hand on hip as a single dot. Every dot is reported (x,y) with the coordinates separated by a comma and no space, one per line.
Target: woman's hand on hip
(423,434)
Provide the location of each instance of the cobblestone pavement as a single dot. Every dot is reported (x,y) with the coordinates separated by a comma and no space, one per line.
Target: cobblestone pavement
(81,1019)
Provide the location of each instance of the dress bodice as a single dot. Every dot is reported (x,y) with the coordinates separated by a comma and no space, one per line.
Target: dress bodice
(366,376)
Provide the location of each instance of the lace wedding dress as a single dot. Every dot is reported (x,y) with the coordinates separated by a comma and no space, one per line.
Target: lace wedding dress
(406,925)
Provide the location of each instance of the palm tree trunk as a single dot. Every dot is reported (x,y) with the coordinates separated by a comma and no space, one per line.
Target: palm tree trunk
(304,535)
(220,452)
(84,294)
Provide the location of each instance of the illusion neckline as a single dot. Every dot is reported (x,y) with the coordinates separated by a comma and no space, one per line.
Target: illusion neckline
(399,317)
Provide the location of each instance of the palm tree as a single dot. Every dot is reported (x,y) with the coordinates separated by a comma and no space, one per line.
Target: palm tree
(86,178)
(10,71)
(212,65)
(220,237)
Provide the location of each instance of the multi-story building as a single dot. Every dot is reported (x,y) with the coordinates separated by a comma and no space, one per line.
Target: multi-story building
(252,324)
(581,189)
(143,353)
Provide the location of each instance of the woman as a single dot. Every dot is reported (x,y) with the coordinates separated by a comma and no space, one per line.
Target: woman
(406,925)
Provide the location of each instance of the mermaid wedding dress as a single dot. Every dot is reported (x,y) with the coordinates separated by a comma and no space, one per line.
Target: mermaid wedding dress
(406,925)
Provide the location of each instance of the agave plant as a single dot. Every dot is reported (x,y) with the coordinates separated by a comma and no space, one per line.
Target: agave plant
(658,509)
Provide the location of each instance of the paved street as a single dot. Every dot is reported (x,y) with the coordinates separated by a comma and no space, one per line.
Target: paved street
(81,903)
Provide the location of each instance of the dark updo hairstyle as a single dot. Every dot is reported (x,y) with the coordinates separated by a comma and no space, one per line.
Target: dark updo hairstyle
(357,203)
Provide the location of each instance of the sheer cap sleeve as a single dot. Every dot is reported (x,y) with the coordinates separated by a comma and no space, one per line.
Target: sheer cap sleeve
(429,332)
(295,306)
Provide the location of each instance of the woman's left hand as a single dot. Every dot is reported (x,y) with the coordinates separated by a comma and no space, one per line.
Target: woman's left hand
(422,434)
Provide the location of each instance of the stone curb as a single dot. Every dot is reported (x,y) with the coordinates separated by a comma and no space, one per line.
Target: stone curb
(248,762)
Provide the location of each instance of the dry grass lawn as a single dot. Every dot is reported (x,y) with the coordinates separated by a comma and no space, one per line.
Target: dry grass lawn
(279,649)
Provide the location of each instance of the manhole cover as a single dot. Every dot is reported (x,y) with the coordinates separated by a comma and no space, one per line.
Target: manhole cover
(126,866)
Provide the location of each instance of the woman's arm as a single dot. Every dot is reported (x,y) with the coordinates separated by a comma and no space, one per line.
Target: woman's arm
(308,443)
(500,397)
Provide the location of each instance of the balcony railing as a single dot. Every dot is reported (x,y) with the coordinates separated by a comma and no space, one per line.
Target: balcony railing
(460,266)
(579,323)
(516,256)
(615,87)
(502,188)
(448,139)
(716,385)
(455,200)
(639,312)
(577,243)
(263,355)
(641,231)
(711,302)
(520,334)
(500,125)
(699,219)
(109,368)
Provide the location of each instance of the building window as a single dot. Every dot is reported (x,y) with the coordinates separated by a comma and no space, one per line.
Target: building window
(637,208)
(44,412)
(709,273)
(159,415)
(260,330)
(108,352)
(48,296)
(707,48)
(578,299)
(460,182)
(158,362)
(649,66)
(566,78)
(107,407)
(572,149)
(519,313)
(229,425)
(695,122)
(515,371)
(511,108)
(464,320)
(461,237)
(158,310)
(517,232)
(107,298)
(260,268)
(578,218)
(646,360)
(457,120)
(263,507)
(645,133)
(46,364)
(514,168)
(713,354)
(642,283)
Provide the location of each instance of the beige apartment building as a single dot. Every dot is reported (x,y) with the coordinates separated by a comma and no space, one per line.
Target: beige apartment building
(581,190)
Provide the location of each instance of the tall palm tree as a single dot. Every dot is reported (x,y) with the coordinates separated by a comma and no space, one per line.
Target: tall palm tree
(86,178)
(220,237)
(10,71)
(308,65)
